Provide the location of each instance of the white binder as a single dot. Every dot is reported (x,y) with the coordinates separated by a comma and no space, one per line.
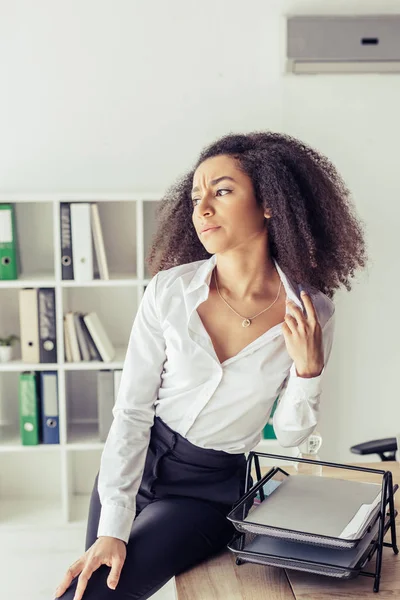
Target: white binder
(83,345)
(29,325)
(99,336)
(81,234)
(99,243)
(73,338)
(67,344)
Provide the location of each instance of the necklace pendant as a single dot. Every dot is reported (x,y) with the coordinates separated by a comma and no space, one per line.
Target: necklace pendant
(246,323)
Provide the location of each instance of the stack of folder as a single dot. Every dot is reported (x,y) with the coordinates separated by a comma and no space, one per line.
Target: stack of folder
(85,338)
(38,407)
(316,524)
(80,226)
(80,230)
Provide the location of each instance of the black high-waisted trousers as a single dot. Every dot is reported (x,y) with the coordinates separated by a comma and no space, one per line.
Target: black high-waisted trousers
(184,497)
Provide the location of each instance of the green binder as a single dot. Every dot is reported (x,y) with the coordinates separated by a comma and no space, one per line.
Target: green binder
(29,417)
(268,431)
(8,245)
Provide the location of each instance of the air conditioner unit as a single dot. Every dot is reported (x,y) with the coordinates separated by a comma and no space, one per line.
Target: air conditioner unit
(343,44)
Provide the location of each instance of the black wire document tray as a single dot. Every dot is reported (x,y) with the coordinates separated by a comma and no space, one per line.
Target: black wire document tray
(275,552)
(325,511)
(337,541)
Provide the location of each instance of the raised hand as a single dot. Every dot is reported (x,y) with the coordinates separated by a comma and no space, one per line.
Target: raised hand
(303,338)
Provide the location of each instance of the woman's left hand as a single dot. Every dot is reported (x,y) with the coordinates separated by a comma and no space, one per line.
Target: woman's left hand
(303,338)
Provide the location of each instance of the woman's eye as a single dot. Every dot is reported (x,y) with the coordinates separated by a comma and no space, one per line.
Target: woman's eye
(194,200)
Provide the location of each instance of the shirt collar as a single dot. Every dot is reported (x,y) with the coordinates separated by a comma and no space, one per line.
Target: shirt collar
(203,277)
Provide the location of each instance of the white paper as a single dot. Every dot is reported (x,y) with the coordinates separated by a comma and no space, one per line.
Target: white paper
(354,527)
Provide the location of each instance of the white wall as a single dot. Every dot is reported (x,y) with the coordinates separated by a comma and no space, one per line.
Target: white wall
(121,96)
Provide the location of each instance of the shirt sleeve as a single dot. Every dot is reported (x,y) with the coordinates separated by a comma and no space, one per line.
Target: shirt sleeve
(124,453)
(297,412)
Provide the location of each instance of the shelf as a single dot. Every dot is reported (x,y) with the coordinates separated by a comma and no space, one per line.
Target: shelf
(35,280)
(17,513)
(95,365)
(10,441)
(83,436)
(18,365)
(116,279)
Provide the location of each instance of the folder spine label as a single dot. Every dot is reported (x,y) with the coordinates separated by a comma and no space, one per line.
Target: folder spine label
(47,325)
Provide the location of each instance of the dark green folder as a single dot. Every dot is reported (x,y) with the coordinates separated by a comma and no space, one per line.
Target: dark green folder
(268,431)
(29,416)
(8,245)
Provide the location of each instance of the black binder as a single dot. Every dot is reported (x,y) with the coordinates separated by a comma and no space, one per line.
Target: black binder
(67,265)
(47,325)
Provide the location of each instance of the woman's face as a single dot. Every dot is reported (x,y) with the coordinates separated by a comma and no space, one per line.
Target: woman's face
(228,204)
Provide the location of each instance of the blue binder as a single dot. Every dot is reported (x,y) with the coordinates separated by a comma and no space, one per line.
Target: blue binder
(49,407)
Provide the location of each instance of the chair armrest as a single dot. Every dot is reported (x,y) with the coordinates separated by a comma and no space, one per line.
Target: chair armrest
(377,447)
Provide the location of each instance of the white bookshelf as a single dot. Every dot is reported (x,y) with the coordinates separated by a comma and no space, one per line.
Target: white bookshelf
(51,484)
(55,480)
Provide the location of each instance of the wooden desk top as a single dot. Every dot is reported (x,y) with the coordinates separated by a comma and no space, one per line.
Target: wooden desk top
(221,579)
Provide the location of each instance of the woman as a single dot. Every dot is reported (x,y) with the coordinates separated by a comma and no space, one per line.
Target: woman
(222,328)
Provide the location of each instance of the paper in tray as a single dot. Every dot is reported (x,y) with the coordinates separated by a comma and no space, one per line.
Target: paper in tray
(311,509)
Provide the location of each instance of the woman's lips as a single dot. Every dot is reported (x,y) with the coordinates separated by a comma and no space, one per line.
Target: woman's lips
(210,230)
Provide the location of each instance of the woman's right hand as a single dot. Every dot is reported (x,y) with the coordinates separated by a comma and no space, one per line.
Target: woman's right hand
(106,550)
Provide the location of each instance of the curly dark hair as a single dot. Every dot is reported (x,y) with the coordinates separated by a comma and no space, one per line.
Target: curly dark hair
(313,233)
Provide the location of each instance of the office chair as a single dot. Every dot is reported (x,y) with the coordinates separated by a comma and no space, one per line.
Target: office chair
(386,448)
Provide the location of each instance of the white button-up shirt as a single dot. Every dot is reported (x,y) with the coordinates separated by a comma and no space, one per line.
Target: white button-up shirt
(171,370)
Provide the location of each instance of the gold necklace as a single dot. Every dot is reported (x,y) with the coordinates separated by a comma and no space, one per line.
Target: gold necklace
(246,320)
